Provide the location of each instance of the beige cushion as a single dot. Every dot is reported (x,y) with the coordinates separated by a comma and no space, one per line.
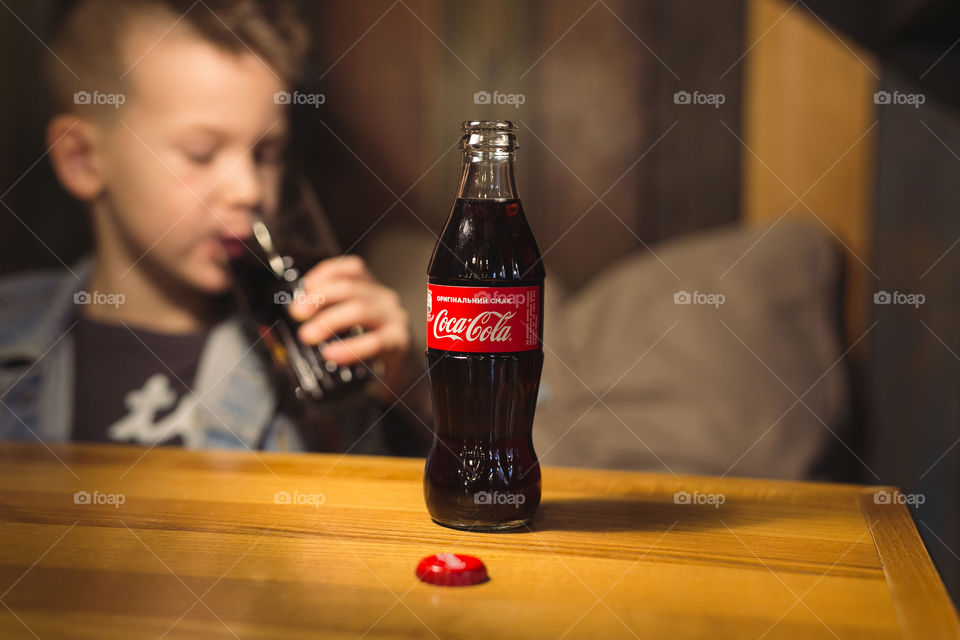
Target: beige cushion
(680,391)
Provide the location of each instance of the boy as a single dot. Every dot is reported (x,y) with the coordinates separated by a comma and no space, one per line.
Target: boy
(168,129)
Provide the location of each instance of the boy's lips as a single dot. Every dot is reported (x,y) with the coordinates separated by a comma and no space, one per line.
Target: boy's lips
(233,246)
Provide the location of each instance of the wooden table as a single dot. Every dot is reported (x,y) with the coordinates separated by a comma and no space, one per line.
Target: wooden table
(179,544)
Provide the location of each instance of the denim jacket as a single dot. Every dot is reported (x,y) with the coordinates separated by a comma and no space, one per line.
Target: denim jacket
(236,406)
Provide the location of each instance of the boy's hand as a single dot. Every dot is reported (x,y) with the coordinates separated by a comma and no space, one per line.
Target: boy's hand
(340,294)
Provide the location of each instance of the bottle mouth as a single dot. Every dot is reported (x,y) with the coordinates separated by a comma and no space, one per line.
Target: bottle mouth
(488,136)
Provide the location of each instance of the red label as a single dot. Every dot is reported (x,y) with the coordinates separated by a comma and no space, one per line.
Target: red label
(483,319)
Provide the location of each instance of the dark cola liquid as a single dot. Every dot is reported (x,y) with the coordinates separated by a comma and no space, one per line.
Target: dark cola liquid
(263,297)
(482,472)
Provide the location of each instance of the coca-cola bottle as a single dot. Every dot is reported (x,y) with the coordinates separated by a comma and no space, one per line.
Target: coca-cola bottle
(484,352)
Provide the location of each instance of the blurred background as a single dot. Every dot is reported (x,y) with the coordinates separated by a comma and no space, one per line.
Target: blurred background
(640,123)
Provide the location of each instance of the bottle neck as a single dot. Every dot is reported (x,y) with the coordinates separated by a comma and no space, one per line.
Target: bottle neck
(488,176)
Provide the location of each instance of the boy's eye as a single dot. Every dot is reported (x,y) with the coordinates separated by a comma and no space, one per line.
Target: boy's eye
(201,157)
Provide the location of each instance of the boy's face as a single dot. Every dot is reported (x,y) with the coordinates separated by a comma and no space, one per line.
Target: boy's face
(197,147)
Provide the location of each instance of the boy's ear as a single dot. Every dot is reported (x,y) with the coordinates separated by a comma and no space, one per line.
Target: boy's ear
(71,143)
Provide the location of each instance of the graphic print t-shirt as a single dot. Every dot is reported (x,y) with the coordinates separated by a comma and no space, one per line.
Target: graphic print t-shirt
(132,385)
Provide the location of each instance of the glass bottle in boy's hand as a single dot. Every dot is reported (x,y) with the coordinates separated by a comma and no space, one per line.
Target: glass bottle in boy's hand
(267,268)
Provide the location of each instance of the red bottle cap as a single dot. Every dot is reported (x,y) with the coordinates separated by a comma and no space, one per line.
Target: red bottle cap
(452,570)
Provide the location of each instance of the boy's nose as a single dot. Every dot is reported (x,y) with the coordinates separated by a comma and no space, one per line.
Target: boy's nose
(242,185)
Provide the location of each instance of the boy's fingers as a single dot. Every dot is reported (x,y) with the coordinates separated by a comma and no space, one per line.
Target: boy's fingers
(334,320)
(325,294)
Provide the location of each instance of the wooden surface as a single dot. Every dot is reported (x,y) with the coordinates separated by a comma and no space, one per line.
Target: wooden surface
(200,548)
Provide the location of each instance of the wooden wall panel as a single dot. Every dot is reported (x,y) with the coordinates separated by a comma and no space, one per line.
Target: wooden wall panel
(808,111)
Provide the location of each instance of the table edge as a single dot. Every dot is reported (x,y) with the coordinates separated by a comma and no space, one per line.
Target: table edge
(920,599)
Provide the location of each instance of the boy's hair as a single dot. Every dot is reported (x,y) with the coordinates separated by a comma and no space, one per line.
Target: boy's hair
(86,39)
